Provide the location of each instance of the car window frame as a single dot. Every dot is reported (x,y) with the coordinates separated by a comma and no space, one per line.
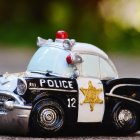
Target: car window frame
(110,63)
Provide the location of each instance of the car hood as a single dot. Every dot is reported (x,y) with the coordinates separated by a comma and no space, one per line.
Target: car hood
(8,82)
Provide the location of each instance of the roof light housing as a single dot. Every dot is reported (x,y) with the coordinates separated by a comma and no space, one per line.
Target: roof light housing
(68,44)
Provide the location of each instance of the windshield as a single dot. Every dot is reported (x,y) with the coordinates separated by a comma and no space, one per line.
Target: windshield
(51,59)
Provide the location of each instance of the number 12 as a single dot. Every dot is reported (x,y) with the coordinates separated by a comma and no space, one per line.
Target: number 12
(71,102)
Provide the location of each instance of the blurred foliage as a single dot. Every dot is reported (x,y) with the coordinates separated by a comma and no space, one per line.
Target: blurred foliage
(106,24)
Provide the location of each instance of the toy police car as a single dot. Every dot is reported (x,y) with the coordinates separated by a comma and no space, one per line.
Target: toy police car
(67,84)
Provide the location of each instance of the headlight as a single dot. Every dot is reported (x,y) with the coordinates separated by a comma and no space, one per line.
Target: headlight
(21,87)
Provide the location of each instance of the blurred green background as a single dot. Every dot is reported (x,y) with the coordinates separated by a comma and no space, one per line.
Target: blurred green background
(112,25)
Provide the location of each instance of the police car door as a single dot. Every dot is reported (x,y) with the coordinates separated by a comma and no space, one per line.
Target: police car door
(91,94)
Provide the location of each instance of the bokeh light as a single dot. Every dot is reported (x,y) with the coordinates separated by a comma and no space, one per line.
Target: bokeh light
(114,26)
(125,13)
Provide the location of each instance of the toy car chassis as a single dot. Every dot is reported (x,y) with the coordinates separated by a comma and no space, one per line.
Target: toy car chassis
(68,83)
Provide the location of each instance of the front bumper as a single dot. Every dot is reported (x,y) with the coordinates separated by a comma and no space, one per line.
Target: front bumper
(15,120)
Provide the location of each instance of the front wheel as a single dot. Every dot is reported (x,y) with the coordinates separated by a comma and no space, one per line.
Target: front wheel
(47,117)
(125,119)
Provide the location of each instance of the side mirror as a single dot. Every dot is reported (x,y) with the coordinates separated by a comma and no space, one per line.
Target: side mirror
(76,73)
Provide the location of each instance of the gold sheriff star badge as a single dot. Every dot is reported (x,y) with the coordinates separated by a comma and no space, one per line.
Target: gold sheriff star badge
(91,95)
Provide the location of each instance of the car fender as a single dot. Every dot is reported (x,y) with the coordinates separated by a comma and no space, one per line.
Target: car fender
(45,95)
(122,90)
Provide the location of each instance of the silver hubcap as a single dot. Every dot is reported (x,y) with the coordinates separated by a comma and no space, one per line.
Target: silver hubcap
(124,116)
(48,117)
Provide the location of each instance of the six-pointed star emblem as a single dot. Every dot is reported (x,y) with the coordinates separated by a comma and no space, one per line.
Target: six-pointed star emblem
(91,95)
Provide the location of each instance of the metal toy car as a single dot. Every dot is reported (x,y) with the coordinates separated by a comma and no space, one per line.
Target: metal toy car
(67,84)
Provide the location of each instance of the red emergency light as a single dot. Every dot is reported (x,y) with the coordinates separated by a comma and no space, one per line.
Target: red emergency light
(61,35)
(69,59)
(74,58)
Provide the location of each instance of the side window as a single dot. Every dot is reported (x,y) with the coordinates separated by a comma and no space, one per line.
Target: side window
(106,69)
(90,66)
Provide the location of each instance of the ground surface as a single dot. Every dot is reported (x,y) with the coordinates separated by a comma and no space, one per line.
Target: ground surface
(133,137)
(17,61)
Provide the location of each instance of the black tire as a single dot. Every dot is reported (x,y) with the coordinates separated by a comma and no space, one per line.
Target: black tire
(124,119)
(47,117)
